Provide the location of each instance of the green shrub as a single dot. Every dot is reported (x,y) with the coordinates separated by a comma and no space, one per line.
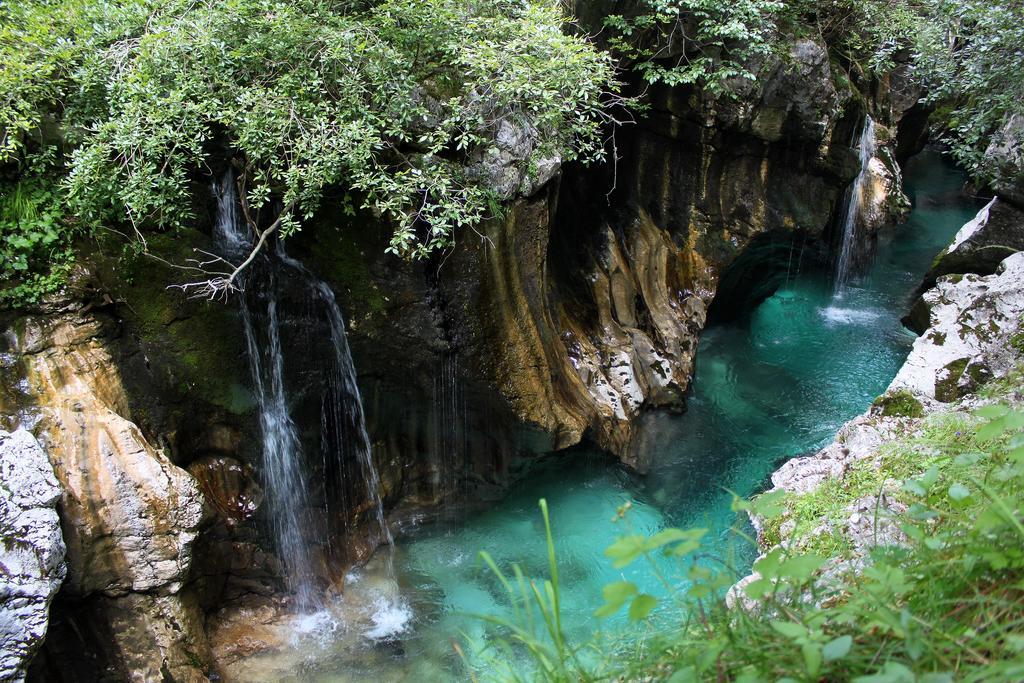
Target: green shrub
(35,241)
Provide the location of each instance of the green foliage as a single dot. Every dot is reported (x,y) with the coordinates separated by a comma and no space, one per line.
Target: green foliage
(947,605)
(35,241)
(699,42)
(392,99)
(969,56)
(863,33)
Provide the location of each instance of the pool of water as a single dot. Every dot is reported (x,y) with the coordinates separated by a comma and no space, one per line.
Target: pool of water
(772,385)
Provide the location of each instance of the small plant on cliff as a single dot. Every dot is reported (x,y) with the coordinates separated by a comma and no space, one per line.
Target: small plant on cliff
(35,241)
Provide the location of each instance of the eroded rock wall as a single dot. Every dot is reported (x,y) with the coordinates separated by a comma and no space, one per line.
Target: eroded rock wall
(582,307)
(129,516)
(32,552)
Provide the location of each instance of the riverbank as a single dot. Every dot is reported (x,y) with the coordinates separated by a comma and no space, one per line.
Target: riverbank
(846,499)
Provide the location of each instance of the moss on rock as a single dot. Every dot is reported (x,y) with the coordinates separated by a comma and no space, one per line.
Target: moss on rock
(197,345)
(899,403)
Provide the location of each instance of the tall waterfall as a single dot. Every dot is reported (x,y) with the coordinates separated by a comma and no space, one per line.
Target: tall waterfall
(343,424)
(852,208)
(345,404)
(283,474)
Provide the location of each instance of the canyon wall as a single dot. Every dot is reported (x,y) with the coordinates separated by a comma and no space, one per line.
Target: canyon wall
(561,321)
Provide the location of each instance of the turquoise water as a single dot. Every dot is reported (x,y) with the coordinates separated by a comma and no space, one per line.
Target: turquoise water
(772,385)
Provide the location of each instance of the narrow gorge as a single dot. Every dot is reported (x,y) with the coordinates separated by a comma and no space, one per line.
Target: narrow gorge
(299,431)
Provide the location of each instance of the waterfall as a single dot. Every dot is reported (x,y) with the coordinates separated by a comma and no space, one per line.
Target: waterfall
(852,207)
(449,442)
(348,404)
(283,475)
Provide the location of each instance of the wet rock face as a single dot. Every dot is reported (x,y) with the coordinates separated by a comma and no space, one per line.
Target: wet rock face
(129,516)
(973,330)
(229,486)
(32,552)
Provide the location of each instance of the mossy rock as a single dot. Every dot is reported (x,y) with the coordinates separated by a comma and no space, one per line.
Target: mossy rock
(947,385)
(899,403)
(195,345)
(338,255)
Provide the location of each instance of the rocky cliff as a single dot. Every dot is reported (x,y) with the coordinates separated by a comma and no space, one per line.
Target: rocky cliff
(129,516)
(580,308)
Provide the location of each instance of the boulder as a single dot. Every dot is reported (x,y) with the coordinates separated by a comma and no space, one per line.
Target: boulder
(974,327)
(32,553)
(129,514)
(982,243)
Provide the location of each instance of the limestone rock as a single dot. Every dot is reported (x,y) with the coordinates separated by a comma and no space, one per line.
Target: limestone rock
(872,521)
(973,321)
(511,166)
(883,202)
(32,554)
(1006,153)
(857,439)
(129,514)
(982,243)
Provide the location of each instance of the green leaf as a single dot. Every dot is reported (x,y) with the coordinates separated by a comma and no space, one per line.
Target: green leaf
(790,629)
(993,429)
(937,677)
(685,675)
(625,550)
(993,411)
(812,659)
(893,672)
(756,590)
(800,568)
(959,492)
(642,606)
(770,505)
(837,648)
(615,596)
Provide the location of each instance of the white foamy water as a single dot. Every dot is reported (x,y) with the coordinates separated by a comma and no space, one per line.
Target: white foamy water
(321,624)
(848,316)
(391,617)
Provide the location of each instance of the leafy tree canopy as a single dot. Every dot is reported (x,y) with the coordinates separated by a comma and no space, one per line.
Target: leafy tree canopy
(971,58)
(116,112)
(388,99)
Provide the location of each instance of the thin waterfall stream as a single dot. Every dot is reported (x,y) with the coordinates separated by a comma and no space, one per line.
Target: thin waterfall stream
(866,148)
(351,438)
(283,475)
(344,435)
